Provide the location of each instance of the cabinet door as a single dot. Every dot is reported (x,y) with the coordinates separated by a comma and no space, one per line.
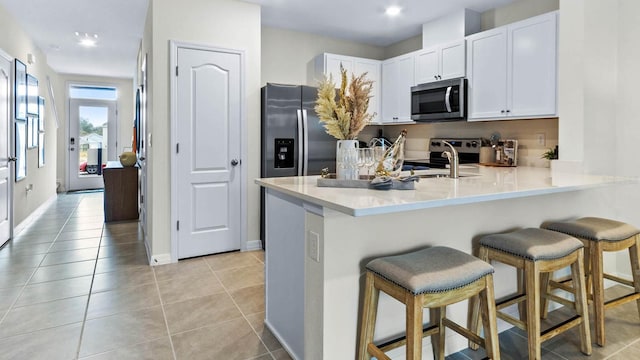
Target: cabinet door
(332,66)
(487,78)
(452,60)
(372,68)
(405,82)
(532,71)
(426,62)
(389,93)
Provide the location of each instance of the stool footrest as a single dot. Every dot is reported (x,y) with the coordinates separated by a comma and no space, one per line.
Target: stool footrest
(513,321)
(510,301)
(622,300)
(560,328)
(562,285)
(402,340)
(464,332)
(375,351)
(561,300)
(618,279)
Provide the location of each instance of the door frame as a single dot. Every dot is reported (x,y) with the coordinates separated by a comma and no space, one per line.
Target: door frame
(173,115)
(11,137)
(68,84)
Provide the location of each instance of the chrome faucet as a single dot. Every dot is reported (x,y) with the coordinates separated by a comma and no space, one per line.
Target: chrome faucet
(454,160)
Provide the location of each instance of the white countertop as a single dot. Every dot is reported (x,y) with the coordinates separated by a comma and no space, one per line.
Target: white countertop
(481,184)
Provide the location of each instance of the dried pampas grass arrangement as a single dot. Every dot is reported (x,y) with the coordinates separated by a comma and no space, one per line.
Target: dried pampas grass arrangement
(345,117)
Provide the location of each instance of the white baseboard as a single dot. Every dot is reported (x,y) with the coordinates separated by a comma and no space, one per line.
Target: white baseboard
(160,259)
(254,245)
(35,214)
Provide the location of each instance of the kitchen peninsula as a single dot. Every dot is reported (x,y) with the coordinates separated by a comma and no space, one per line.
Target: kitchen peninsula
(318,240)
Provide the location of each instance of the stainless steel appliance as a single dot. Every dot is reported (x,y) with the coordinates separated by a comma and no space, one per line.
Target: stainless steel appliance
(444,100)
(294,142)
(468,152)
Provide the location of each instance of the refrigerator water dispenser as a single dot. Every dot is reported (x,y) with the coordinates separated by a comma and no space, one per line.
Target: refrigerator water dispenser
(283,153)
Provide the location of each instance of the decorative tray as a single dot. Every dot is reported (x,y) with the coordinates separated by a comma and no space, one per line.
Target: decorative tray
(364,182)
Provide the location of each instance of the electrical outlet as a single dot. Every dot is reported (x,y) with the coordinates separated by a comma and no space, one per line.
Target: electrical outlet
(541,139)
(314,244)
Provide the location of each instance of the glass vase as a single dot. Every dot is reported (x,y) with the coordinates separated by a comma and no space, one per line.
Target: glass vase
(347,160)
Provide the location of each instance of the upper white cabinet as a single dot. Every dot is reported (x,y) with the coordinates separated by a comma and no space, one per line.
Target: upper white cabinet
(397,80)
(330,64)
(440,62)
(512,70)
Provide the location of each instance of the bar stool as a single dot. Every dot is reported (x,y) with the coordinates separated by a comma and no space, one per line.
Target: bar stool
(600,235)
(535,252)
(429,278)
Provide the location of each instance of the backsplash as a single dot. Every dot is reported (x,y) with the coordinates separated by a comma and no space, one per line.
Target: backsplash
(525,131)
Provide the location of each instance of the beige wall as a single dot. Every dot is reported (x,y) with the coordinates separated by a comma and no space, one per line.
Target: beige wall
(287,56)
(402,47)
(221,23)
(516,11)
(125,115)
(16,43)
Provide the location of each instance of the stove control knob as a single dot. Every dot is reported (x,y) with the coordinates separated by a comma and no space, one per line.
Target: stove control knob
(474,144)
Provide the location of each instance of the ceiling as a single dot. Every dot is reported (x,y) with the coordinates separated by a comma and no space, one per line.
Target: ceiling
(52,25)
(120,25)
(363,21)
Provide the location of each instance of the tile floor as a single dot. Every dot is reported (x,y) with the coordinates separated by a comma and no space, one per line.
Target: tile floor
(73,288)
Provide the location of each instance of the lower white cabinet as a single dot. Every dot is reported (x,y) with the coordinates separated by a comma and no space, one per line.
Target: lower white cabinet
(512,70)
(397,80)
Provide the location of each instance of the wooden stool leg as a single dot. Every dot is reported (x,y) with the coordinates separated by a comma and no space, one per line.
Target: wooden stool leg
(414,326)
(487,298)
(544,290)
(532,284)
(369,313)
(634,258)
(598,291)
(577,273)
(437,340)
(522,285)
(474,304)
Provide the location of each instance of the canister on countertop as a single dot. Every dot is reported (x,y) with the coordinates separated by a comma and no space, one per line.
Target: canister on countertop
(487,155)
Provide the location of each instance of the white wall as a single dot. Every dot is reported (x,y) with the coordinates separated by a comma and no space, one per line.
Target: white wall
(16,43)
(125,115)
(220,23)
(287,56)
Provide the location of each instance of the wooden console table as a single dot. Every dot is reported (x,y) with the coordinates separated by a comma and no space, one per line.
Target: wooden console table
(120,192)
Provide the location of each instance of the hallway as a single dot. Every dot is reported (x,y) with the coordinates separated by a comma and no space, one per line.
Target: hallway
(72,287)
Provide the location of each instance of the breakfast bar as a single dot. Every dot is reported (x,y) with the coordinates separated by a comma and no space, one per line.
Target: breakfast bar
(318,240)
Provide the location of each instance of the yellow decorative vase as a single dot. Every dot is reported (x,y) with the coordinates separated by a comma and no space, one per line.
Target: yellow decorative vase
(128,158)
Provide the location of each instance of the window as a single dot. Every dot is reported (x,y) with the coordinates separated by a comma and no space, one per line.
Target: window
(92,92)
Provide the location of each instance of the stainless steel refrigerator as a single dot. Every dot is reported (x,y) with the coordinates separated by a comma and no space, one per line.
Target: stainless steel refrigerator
(294,142)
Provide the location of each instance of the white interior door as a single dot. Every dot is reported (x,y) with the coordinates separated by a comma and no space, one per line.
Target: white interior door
(92,141)
(5,169)
(208,151)
(142,151)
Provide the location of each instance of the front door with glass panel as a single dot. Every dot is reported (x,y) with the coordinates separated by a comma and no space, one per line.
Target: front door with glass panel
(92,141)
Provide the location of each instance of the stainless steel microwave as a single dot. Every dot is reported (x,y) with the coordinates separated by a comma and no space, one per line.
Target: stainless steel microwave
(444,100)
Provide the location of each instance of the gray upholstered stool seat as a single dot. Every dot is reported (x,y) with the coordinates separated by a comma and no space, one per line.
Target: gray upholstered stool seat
(536,253)
(429,278)
(431,270)
(604,235)
(533,244)
(595,229)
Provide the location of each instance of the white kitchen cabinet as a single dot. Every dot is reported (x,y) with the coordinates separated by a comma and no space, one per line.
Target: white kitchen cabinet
(397,80)
(440,62)
(330,64)
(512,70)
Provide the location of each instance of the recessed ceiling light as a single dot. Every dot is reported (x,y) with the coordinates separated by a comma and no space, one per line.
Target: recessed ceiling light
(393,10)
(86,39)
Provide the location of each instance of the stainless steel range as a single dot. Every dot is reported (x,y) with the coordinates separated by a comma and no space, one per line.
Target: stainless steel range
(468,151)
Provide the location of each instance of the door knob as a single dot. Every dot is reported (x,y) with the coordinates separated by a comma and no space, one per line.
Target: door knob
(142,158)
(12,159)
(235,162)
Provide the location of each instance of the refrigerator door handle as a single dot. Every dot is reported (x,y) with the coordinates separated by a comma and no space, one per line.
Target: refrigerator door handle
(301,143)
(305,166)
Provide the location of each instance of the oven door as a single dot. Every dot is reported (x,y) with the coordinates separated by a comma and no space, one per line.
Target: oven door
(439,101)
